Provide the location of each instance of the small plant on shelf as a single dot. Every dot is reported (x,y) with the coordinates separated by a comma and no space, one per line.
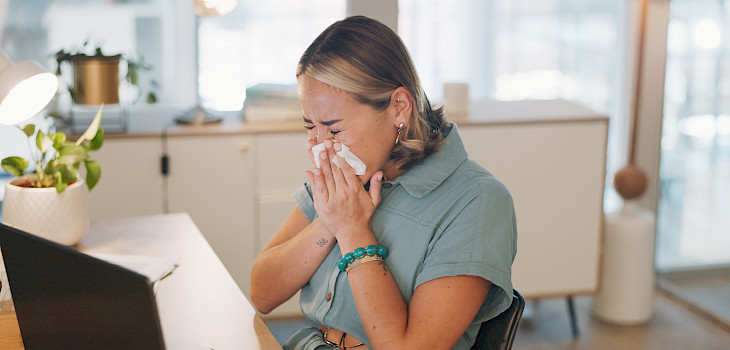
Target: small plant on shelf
(86,54)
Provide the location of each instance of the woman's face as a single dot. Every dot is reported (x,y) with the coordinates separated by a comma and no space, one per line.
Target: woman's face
(331,113)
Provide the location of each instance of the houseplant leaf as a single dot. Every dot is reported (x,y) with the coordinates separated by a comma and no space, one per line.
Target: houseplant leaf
(60,185)
(28,130)
(97,141)
(92,129)
(68,174)
(43,142)
(14,165)
(93,173)
(58,140)
(71,153)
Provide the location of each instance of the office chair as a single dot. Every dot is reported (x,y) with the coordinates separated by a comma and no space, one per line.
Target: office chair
(499,332)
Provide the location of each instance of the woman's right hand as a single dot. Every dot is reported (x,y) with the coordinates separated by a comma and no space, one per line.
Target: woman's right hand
(343,204)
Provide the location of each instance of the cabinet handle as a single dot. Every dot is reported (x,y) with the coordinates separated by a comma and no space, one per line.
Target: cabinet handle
(243,147)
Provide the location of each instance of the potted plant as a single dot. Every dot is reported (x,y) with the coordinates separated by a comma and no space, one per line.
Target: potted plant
(51,201)
(96,75)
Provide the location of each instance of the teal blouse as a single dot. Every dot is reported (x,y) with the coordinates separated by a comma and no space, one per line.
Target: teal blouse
(446,216)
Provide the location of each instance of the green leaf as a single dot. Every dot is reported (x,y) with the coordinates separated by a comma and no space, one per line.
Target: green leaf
(97,141)
(151,98)
(52,167)
(68,174)
(43,142)
(93,127)
(60,185)
(14,165)
(132,74)
(93,173)
(58,140)
(28,130)
(72,153)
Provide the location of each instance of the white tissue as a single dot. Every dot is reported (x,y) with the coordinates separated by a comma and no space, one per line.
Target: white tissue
(345,153)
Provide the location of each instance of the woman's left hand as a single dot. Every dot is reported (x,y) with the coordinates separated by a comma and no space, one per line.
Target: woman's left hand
(343,204)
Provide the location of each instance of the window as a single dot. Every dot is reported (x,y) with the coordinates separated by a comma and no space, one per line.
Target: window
(523,49)
(693,229)
(259,42)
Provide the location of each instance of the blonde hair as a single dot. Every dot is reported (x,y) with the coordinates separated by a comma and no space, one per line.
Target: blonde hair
(364,57)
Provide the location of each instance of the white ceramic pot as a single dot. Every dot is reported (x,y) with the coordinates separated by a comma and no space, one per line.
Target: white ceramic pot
(60,217)
(627,292)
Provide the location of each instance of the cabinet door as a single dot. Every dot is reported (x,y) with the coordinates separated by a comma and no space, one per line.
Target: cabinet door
(131,182)
(273,209)
(211,178)
(282,160)
(555,173)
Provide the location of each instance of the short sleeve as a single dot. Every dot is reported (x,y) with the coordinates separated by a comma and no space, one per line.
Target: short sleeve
(303,196)
(480,241)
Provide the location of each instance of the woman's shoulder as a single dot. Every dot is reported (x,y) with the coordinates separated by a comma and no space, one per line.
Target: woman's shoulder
(473,178)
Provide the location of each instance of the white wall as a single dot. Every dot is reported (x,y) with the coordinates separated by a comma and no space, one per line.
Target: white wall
(385,11)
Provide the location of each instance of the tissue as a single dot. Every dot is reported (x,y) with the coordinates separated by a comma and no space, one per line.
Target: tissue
(345,153)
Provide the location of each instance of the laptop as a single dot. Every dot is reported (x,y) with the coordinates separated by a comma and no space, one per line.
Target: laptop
(65,299)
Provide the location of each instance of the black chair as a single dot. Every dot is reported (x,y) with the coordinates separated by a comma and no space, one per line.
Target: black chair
(499,332)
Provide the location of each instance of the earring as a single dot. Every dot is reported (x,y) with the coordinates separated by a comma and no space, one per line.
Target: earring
(397,99)
(400,129)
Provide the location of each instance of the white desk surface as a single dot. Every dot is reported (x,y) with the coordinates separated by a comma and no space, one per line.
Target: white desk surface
(199,303)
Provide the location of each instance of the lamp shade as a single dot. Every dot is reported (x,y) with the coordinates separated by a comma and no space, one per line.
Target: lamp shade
(25,89)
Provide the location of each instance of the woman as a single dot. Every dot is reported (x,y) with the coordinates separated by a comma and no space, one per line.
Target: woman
(437,229)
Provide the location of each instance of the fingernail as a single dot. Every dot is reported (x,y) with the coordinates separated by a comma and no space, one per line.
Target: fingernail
(338,147)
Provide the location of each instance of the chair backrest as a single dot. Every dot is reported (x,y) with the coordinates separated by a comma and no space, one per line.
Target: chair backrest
(499,332)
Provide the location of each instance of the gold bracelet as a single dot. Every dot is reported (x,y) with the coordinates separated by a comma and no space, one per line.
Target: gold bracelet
(365,259)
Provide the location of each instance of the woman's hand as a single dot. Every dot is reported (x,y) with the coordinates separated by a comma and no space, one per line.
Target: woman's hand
(343,204)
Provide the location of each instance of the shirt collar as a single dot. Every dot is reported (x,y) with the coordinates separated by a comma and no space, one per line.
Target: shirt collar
(429,174)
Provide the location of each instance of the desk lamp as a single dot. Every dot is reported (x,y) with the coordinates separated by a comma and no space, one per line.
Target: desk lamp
(204,8)
(25,89)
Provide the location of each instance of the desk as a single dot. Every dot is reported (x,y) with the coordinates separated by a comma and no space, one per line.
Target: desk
(199,303)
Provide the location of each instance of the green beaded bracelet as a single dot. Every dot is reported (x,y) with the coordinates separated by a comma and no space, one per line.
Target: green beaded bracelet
(359,253)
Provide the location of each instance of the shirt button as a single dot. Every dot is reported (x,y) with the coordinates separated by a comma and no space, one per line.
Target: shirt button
(387,185)
(328,297)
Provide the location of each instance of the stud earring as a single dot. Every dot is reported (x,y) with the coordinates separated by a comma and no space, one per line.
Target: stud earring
(400,129)
(397,99)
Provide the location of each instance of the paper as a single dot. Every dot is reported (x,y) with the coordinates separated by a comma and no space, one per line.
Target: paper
(345,153)
(4,286)
(154,268)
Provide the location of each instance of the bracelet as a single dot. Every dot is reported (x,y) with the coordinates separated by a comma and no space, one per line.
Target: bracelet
(359,262)
(359,253)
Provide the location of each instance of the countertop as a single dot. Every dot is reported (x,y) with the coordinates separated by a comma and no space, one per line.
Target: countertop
(485,112)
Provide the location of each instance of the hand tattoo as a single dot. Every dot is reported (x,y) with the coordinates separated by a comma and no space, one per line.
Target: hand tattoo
(322,241)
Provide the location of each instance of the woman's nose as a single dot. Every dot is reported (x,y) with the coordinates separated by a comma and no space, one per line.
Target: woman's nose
(322,134)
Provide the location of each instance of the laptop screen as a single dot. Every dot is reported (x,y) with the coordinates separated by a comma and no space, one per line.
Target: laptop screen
(65,299)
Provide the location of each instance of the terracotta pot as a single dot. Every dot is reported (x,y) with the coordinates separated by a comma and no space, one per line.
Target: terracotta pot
(60,217)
